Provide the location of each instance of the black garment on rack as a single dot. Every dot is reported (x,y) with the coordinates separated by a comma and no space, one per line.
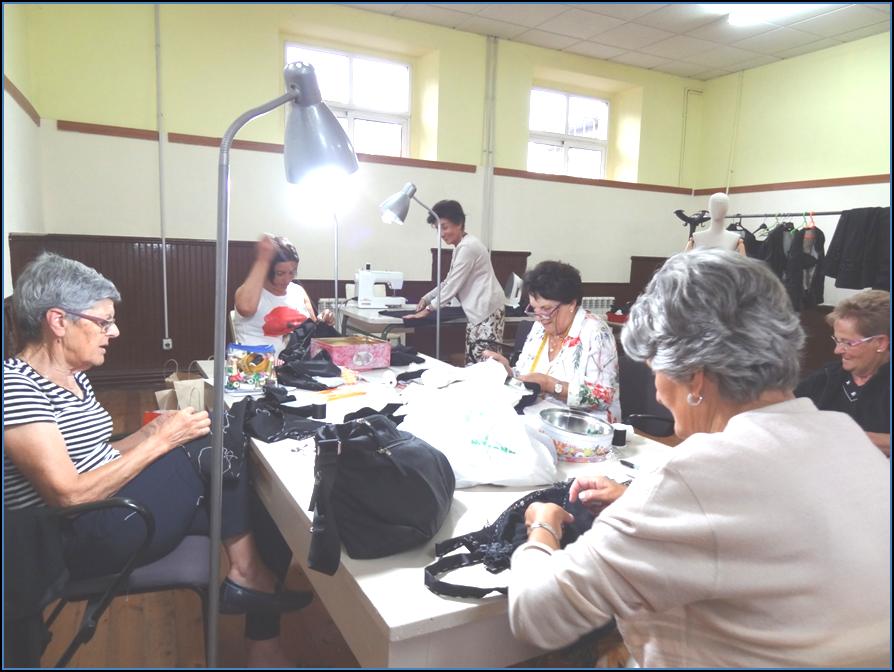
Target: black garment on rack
(801,272)
(860,254)
(754,248)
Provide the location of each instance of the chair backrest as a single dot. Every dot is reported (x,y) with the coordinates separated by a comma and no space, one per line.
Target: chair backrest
(639,406)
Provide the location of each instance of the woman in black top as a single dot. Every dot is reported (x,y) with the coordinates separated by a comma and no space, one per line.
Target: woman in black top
(859,384)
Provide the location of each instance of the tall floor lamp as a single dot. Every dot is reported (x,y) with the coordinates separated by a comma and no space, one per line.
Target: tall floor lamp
(313,139)
(394,211)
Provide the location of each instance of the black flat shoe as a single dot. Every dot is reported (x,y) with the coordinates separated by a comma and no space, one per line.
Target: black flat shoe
(236,599)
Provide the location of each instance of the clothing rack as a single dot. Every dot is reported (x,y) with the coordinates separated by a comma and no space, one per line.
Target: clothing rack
(784,214)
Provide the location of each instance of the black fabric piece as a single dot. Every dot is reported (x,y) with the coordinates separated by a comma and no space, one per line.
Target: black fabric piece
(832,389)
(515,311)
(448,314)
(529,399)
(791,263)
(298,345)
(271,422)
(234,445)
(754,248)
(493,545)
(276,394)
(387,411)
(377,490)
(860,252)
(402,355)
(407,376)
(33,571)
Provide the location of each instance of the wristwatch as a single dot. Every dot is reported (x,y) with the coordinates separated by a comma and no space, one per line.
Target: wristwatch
(558,388)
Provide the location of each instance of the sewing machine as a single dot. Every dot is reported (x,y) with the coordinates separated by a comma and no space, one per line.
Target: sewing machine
(365,279)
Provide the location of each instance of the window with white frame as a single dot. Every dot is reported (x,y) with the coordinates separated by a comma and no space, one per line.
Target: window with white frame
(369,96)
(568,134)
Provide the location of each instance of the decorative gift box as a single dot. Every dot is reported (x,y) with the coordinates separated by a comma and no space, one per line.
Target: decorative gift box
(354,352)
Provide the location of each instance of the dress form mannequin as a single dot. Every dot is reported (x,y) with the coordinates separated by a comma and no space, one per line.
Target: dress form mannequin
(716,235)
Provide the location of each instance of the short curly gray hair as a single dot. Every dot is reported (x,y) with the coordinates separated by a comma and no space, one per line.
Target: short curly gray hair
(52,281)
(722,313)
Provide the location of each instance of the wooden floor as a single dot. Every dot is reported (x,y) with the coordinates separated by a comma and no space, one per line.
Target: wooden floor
(163,630)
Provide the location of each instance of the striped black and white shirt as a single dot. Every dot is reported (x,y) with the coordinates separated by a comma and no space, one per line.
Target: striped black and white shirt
(86,426)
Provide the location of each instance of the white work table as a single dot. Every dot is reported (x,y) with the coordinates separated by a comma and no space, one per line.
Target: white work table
(382,607)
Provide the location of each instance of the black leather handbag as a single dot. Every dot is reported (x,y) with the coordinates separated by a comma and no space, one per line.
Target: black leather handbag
(377,490)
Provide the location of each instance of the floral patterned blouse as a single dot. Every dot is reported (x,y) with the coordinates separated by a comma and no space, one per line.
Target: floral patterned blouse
(588,362)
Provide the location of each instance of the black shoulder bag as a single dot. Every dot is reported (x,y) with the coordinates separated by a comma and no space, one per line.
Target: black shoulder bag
(377,490)
(493,545)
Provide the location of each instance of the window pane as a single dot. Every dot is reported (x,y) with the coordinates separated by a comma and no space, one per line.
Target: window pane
(587,118)
(585,163)
(544,158)
(381,86)
(332,71)
(377,137)
(548,111)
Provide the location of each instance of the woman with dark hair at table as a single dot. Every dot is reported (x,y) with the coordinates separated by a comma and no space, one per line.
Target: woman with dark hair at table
(58,452)
(764,540)
(570,352)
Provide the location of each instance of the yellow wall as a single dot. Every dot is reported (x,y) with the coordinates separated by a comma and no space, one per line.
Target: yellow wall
(822,115)
(15,48)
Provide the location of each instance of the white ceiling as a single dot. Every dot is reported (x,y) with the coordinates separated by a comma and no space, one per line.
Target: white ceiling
(684,39)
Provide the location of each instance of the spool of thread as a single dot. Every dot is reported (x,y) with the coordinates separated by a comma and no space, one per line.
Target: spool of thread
(389,378)
(619,438)
(319,411)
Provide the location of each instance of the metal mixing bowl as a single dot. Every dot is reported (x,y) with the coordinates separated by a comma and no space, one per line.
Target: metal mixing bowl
(577,436)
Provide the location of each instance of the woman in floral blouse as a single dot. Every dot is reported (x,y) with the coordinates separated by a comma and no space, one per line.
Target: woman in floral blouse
(569,352)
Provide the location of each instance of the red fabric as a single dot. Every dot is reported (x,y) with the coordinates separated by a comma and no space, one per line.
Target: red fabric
(282,320)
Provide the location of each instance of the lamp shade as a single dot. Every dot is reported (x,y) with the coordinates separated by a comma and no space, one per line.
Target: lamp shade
(394,209)
(314,138)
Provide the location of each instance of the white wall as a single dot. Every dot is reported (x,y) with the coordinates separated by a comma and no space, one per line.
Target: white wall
(108,186)
(22,205)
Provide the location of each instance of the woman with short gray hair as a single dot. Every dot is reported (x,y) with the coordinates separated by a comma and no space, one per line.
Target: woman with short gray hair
(58,452)
(732,554)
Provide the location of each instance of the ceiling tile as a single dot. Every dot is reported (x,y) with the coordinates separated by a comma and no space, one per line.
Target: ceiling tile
(640,60)
(776,41)
(681,68)
(632,36)
(484,26)
(722,32)
(722,57)
(868,31)
(678,47)
(627,11)
(466,7)
(431,14)
(712,74)
(808,11)
(382,8)
(757,62)
(580,24)
(531,15)
(594,50)
(841,21)
(883,7)
(679,18)
(807,48)
(541,38)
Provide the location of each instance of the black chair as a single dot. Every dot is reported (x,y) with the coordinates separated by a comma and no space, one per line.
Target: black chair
(638,404)
(187,566)
(511,349)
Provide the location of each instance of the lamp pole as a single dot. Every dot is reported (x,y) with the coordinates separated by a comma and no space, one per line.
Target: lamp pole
(438,278)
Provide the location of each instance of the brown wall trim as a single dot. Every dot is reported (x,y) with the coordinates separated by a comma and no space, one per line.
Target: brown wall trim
(21,99)
(804,184)
(511,172)
(206,141)
(417,163)
(102,129)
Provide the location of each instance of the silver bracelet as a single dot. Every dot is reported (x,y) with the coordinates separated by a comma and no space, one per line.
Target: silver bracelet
(545,526)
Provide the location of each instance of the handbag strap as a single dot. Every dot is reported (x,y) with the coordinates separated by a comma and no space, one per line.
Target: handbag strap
(325,545)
